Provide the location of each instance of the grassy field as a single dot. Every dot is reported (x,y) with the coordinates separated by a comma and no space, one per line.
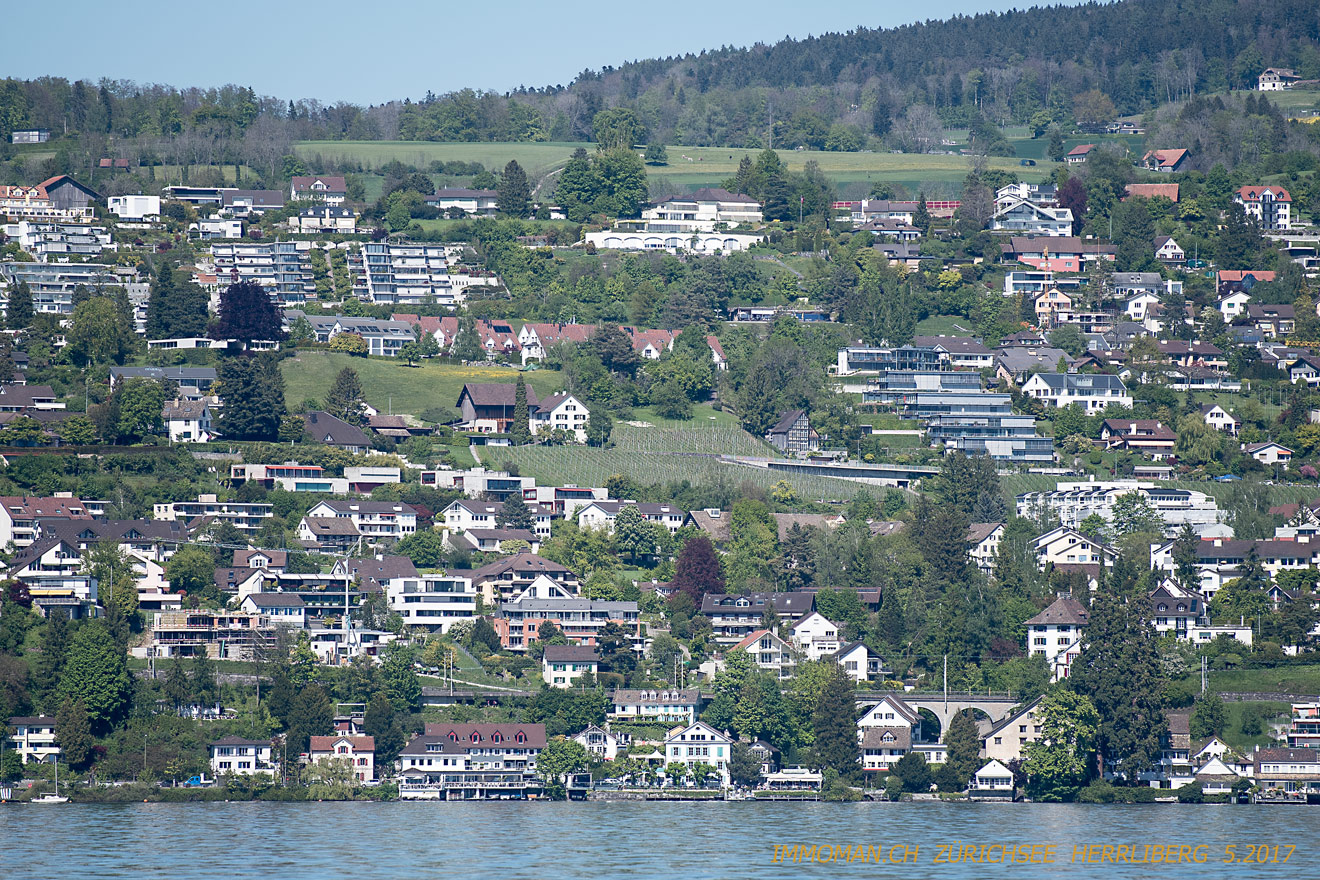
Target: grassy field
(391,386)
(688,168)
(1279,680)
(667,452)
(945,325)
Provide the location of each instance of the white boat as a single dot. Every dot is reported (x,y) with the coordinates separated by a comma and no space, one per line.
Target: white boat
(52,798)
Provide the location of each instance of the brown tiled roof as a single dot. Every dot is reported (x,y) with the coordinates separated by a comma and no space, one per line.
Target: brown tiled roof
(873,738)
(495,394)
(534,733)
(1064,609)
(327,743)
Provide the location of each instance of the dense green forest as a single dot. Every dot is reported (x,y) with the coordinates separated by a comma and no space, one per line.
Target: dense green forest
(1043,67)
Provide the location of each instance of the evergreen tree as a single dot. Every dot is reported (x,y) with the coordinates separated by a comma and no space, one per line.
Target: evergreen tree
(514,513)
(964,749)
(515,196)
(744,768)
(834,724)
(311,714)
(1119,671)
(345,400)
(204,685)
(921,217)
(253,392)
(73,731)
(19,314)
(381,721)
(600,425)
(177,689)
(54,651)
(1208,717)
(248,314)
(467,345)
(520,433)
(176,307)
(797,559)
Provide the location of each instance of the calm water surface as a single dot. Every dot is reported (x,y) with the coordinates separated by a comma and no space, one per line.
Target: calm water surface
(691,841)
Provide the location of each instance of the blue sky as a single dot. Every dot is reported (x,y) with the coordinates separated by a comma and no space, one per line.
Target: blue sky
(368,52)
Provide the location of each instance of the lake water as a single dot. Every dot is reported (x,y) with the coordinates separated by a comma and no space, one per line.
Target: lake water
(692,841)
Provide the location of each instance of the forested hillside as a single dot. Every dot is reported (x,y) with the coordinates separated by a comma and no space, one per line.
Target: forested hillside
(1042,67)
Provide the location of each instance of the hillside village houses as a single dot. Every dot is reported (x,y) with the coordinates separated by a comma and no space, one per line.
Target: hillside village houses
(699,223)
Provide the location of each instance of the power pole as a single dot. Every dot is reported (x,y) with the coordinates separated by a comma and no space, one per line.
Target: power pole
(946,685)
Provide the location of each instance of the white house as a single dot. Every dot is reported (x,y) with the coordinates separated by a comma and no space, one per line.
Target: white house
(994,781)
(699,743)
(433,601)
(602,514)
(1233,304)
(1056,634)
(1276,79)
(859,662)
(235,756)
(562,665)
(327,190)
(189,421)
(1220,419)
(815,636)
(602,742)
(1270,206)
(33,739)
(286,609)
(134,207)
(769,652)
(560,412)
(1270,453)
(983,544)
(374,520)
(469,201)
(705,209)
(1094,391)
(1168,251)
(1067,546)
(662,706)
(358,751)
(886,733)
(1023,217)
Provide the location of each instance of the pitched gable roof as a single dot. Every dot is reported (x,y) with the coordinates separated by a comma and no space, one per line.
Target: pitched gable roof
(1063,610)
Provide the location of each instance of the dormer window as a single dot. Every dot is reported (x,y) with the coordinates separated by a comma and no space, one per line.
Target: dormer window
(520,738)
(476,737)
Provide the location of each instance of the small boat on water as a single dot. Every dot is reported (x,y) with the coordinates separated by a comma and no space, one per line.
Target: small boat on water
(52,798)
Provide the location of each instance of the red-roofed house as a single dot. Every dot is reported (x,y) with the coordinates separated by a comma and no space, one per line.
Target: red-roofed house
(1235,280)
(1165,161)
(1271,206)
(1152,191)
(358,751)
(717,353)
(1077,155)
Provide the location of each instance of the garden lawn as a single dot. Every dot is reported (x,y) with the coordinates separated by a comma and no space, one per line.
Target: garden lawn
(391,386)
